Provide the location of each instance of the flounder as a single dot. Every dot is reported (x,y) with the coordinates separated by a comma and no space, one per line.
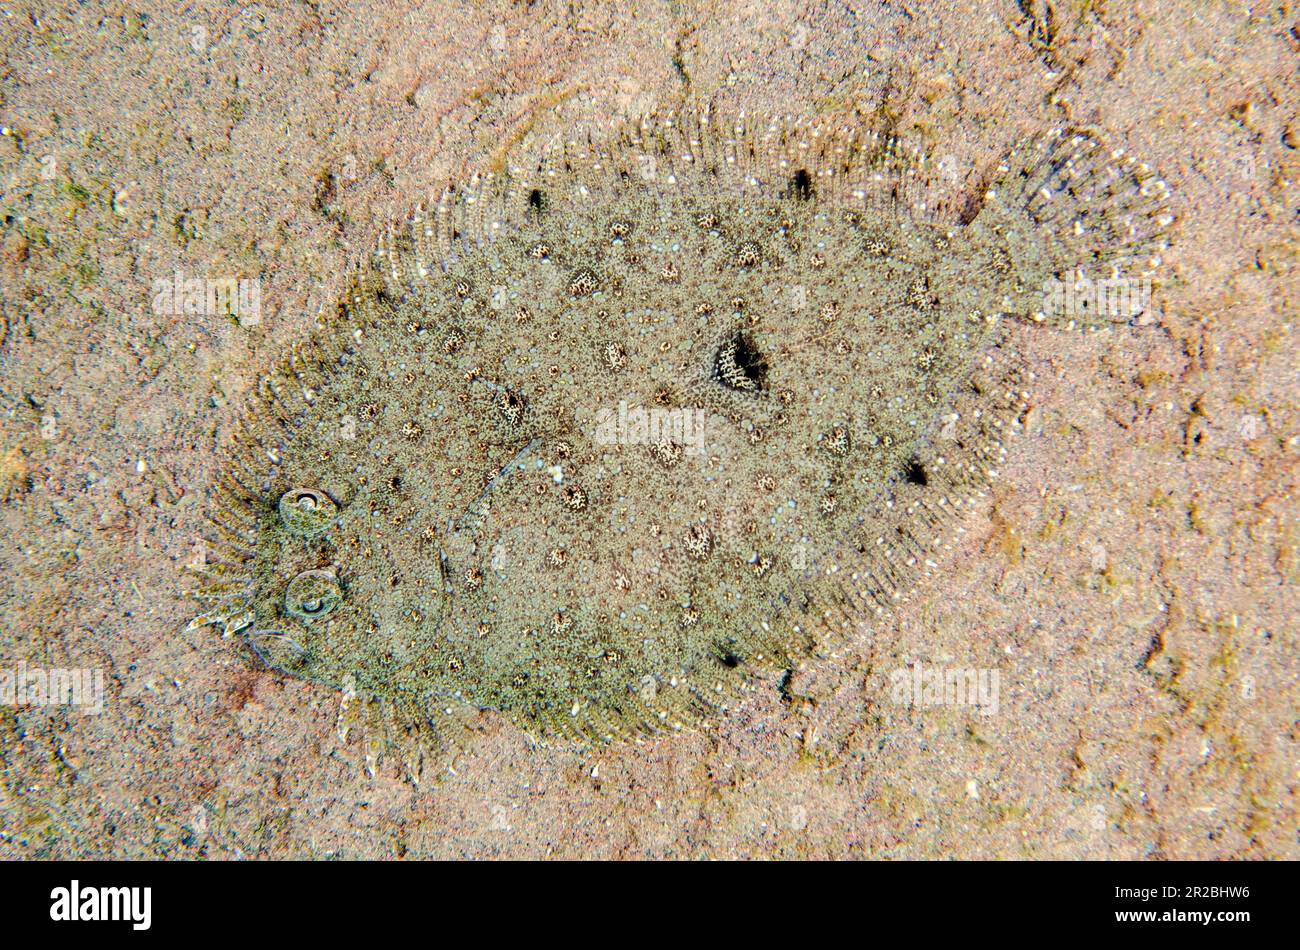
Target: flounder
(600,442)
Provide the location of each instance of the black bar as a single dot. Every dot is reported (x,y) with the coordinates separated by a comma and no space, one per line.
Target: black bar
(344,900)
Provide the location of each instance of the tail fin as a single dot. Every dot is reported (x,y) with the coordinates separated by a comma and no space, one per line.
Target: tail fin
(1087,228)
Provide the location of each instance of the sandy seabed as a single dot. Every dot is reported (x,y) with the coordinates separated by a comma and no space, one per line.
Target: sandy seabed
(1132,577)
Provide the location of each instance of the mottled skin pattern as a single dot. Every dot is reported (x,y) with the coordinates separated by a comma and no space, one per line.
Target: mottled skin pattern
(442,502)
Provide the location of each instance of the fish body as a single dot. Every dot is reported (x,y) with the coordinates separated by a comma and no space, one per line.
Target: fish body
(598,443)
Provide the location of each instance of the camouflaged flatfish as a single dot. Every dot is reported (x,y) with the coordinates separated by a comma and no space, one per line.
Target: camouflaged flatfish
(598,442)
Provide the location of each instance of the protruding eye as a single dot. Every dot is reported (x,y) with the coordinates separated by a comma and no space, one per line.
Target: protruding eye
(312,595)
(307,512)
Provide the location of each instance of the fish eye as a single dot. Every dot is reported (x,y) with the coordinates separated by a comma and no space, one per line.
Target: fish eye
(307,512)
(312,595)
